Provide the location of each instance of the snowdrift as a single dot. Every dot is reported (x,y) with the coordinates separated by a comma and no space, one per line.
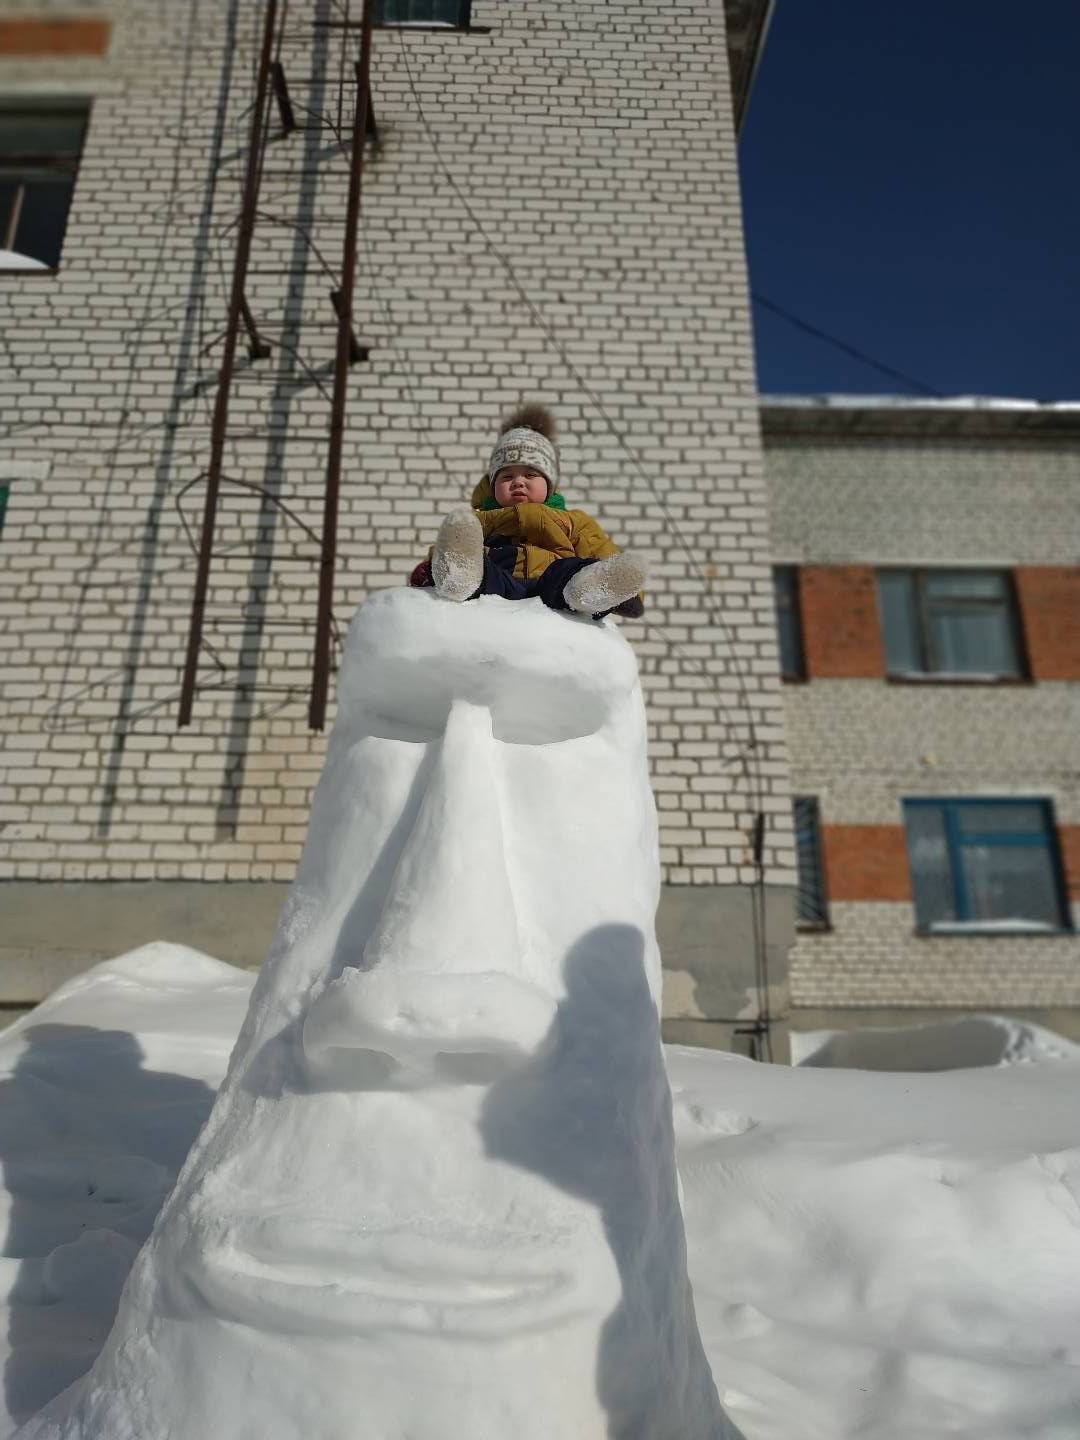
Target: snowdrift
(961,1042)
(874,1256)
(436,1196)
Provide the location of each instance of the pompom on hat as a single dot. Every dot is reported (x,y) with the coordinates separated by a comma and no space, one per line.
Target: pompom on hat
(527,438)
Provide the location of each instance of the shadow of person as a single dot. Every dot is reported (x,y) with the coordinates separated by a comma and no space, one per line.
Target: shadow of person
(592,1115)
(90,1144)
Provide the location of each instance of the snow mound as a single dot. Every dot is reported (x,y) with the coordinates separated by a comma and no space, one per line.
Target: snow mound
(874,1256)
(94,1124)
(885,1255)
(436,1196)
(959,1043)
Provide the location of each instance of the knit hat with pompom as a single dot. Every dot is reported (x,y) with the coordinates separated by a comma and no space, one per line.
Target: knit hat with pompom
(527,438)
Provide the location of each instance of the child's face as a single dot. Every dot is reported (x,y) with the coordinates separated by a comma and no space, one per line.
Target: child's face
(520,484)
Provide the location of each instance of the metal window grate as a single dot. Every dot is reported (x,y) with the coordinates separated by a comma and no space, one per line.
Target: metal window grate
(452,13)
(789,622)
(811,908)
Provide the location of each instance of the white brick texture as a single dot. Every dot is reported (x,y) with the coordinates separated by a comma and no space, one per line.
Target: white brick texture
(595,145)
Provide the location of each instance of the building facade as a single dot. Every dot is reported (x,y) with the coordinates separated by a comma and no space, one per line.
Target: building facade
(550,209)
(928,584)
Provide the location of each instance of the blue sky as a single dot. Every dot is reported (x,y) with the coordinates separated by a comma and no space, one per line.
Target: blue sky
(911,184)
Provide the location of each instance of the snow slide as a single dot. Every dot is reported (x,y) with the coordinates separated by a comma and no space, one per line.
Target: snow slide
(436,1196)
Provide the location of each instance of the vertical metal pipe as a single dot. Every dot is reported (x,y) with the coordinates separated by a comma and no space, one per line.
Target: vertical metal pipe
(221,405)
(320,683)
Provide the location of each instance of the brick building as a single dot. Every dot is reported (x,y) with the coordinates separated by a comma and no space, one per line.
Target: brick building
(928,583)
(592,146)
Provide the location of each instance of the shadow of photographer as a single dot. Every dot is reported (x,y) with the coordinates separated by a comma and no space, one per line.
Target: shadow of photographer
(592,1114)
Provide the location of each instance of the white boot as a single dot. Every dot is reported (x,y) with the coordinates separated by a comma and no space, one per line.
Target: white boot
(600,587)
(457,564)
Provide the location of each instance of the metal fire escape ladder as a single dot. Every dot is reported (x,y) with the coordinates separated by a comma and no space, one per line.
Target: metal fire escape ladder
(347,351)
(272,89)
(237,308)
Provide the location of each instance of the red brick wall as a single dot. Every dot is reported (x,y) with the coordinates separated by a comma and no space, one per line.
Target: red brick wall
(1049,598)
(870,862)
(27,36)
(866,862)
(841,629)
(1069,840)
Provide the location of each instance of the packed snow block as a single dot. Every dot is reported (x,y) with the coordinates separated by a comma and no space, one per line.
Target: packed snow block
(436,1196)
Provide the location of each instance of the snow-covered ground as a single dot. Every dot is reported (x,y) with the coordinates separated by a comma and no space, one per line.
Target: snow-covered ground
(875,1256)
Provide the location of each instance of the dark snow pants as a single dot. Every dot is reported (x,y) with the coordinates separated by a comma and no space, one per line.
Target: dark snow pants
(499,578)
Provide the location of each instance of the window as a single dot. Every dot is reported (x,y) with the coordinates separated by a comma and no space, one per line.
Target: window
(811,908)
(452,13)
(4,492)
(950,622)
(789,622)
(40,146)
(984,865)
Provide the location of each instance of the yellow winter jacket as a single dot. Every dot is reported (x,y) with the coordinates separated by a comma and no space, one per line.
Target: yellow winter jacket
(542,533)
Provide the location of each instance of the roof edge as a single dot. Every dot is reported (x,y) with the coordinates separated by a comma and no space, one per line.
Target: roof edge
(865,417)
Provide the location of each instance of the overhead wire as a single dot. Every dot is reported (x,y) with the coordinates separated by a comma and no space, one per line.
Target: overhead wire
(848,349)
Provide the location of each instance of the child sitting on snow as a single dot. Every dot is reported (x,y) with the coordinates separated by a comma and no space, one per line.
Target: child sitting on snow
(520,541)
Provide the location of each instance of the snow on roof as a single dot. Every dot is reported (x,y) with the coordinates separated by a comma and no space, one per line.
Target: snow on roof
(884,416)
(915,402)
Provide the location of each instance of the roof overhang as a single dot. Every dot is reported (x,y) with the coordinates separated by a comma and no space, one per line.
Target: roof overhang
(874,417)
(747,23)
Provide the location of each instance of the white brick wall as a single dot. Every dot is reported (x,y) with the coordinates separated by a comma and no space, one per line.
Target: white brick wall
(873,957)
(862,745)
(924,501)
(595,145)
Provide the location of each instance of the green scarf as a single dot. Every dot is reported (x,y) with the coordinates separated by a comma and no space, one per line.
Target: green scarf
(555,501)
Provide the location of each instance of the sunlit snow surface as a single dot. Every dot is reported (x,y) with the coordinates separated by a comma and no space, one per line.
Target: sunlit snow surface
(882,1256)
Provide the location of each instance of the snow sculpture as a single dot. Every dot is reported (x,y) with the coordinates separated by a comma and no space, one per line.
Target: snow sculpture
(436,1197)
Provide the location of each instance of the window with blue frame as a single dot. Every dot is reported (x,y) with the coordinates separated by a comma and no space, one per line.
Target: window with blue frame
(454,14)
(811,905)
(950,623)
(985,865)
(789,622)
